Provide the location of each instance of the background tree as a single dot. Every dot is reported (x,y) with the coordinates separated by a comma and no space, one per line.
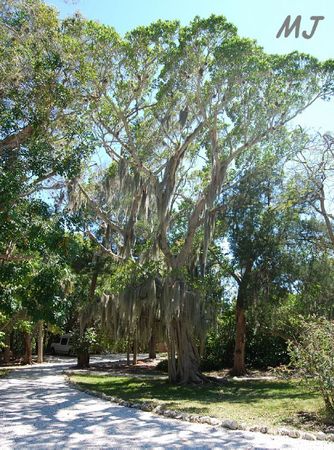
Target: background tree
(260,230)
(44,129)
(44,136)
(314,166)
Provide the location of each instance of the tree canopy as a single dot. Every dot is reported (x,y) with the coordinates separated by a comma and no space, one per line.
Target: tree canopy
(194,127)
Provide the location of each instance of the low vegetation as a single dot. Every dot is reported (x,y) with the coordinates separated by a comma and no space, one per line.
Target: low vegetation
(313,356)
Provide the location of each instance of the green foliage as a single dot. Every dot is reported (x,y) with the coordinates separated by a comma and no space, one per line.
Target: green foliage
(259,227)
(193,119)
(38,99)
(25,326)
(316,294)
(218,351)
(313,355)
(84,342)
(131,273)
(264,347)
(3,320)
(38,285)
(265,350)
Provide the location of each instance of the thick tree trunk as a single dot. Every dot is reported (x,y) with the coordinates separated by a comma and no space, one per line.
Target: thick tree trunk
(83,353)
(183,308)
(239,366)
(40,341)
(83,359)
(27,347)
(184,369)
(172,372)
(82,350)
(151,347)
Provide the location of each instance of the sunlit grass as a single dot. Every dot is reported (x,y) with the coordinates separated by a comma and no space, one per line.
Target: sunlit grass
(3,372)
(262,402)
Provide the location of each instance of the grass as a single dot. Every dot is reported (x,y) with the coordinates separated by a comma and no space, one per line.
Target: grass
(3,372)
(253,402)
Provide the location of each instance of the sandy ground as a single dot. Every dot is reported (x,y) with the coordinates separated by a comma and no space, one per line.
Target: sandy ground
(39,410)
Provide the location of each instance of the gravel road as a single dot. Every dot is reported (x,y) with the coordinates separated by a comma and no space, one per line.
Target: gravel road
(39,410)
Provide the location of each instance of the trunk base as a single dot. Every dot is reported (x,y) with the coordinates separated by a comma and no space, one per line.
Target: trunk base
(83,360)
(152,344)
(239,367)
(185,368)
(6,355)
(238,372)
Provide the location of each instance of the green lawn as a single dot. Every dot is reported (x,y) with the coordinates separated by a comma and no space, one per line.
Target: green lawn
(271,403)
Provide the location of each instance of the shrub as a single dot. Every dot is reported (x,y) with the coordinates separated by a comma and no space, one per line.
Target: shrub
(264,350)
(314,357)
(163,365)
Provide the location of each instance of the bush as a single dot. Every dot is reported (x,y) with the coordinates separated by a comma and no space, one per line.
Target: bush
(218,354)
(314,357)
(219,345)
(264,350)
(163,365)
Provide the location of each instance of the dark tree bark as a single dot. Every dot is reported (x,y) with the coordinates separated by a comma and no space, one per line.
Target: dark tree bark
(152,346)
(11,345)
(13,141)
(83,353)
(27,347)
(239,366)
(184,369)
(83,359)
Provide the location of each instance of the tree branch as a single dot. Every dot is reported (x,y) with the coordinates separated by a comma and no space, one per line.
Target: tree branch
(103,248)
(15,140)
(101,213)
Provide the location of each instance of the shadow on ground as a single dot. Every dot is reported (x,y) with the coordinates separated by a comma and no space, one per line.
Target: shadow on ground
(39,410)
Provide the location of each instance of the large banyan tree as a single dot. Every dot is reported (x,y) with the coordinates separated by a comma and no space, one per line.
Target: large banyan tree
(173,108)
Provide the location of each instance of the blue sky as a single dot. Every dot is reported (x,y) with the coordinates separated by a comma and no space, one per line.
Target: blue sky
(258,19)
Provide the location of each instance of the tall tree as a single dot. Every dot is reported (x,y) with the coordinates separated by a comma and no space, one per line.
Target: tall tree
(43,122)
(261,235)
(313,177)
(172,100)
